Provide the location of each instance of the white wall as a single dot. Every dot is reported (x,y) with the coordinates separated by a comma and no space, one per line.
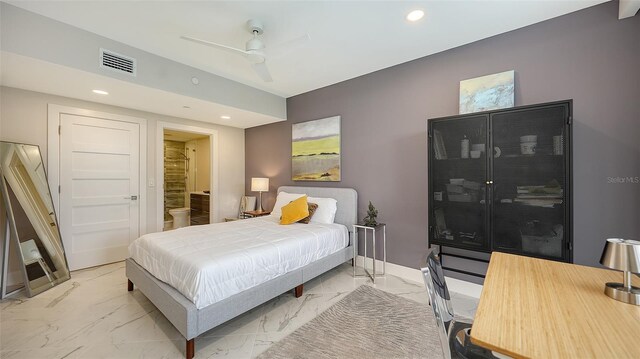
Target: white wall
(23,118)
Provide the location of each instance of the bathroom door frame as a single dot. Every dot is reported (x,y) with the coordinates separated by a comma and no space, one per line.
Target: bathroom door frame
(214,185)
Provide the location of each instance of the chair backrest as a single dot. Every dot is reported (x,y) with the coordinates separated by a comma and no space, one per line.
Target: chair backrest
(30,252)
(439,297)
(247,203)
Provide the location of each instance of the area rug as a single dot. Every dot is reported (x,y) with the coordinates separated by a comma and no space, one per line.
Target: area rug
(367,323)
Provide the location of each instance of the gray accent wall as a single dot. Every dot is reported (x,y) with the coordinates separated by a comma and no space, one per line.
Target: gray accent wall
(589,56)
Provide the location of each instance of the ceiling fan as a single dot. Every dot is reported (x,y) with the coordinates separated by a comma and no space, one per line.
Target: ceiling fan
(254,48)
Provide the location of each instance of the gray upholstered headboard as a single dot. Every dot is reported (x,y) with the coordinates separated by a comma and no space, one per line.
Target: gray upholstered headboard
(347,198)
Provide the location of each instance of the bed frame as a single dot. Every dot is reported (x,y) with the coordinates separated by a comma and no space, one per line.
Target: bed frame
(191,322)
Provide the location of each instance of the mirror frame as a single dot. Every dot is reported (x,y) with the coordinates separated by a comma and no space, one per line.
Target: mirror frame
(12,229)
(4,251)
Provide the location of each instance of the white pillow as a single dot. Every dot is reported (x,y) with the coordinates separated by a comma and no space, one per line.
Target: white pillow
(326,212)
(283,199)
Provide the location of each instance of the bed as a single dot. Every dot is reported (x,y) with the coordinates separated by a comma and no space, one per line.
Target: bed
(191,312)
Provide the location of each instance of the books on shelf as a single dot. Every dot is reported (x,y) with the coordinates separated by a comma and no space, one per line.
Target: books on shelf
(462,190)
(545,202)
(440,152)
(463,197)
(540,196)
(539,190)
(454,188)
(471,185)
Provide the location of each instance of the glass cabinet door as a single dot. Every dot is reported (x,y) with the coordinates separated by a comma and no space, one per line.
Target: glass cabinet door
(529,181)
(458,173)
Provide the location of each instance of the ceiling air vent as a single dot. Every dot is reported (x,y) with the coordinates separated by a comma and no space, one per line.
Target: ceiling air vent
(117,62)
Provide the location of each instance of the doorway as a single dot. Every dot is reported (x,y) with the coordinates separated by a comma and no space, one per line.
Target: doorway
(95,170)
(187,176)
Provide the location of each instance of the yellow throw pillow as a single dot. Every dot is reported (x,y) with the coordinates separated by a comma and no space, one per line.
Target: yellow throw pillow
(295,211)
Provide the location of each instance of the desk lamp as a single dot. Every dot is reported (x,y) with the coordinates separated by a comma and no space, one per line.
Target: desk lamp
(623,255)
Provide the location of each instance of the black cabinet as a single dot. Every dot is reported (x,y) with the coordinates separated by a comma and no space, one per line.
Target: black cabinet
(501,180)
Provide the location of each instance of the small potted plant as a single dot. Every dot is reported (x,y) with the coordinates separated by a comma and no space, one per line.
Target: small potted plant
(372,214)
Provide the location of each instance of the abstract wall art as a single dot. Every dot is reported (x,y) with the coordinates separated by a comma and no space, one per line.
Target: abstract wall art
(487,92)
(315,150)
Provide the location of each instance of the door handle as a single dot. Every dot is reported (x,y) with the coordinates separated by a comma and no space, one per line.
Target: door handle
(133,198)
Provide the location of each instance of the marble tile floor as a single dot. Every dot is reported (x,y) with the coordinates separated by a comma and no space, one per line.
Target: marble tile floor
(93,316)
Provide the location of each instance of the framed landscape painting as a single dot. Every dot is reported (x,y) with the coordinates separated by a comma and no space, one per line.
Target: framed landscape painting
(487,92)
(315,150)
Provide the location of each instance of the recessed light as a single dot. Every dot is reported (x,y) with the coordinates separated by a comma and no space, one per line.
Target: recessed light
(195,80)
(100,92)
(225,117)
(415,15)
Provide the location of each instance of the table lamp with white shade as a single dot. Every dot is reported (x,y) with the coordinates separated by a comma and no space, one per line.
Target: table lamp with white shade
(622,255)
(260,184)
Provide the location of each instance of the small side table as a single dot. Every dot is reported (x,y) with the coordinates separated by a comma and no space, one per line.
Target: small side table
(373,273)
(257,213)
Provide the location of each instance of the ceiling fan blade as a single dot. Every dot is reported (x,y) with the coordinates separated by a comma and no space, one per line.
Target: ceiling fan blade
(288,46)
(215,45)
(262,71)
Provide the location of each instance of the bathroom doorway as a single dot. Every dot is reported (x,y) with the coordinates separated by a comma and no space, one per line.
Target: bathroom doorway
(186,176)
(187,179)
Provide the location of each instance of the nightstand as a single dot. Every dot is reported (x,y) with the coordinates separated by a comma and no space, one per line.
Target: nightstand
(253,214)
(373,230)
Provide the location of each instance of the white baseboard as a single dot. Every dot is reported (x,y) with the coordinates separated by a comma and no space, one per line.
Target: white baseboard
(415,275)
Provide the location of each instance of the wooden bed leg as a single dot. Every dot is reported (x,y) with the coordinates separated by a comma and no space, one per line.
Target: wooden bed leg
(129,285)
(298,291)
(191,349)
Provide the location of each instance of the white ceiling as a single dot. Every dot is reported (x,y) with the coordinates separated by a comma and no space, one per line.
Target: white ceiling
(36,75)
(347,38)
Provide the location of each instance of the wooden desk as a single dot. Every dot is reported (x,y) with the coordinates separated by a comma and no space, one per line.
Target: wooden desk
(534,308)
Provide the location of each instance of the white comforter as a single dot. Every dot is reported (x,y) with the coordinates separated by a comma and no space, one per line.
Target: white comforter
(212,262)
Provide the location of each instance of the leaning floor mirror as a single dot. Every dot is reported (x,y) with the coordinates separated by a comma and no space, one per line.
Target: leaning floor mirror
(33,226)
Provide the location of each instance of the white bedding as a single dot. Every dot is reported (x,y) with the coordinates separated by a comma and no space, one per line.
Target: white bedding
(212,262)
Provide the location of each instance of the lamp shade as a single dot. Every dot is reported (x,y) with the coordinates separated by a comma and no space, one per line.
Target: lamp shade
(621,254)
(259,184)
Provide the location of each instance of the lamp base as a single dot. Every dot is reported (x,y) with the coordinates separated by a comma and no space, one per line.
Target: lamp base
(619,292)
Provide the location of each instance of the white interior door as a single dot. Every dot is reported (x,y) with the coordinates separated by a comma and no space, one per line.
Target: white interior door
(99,180)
